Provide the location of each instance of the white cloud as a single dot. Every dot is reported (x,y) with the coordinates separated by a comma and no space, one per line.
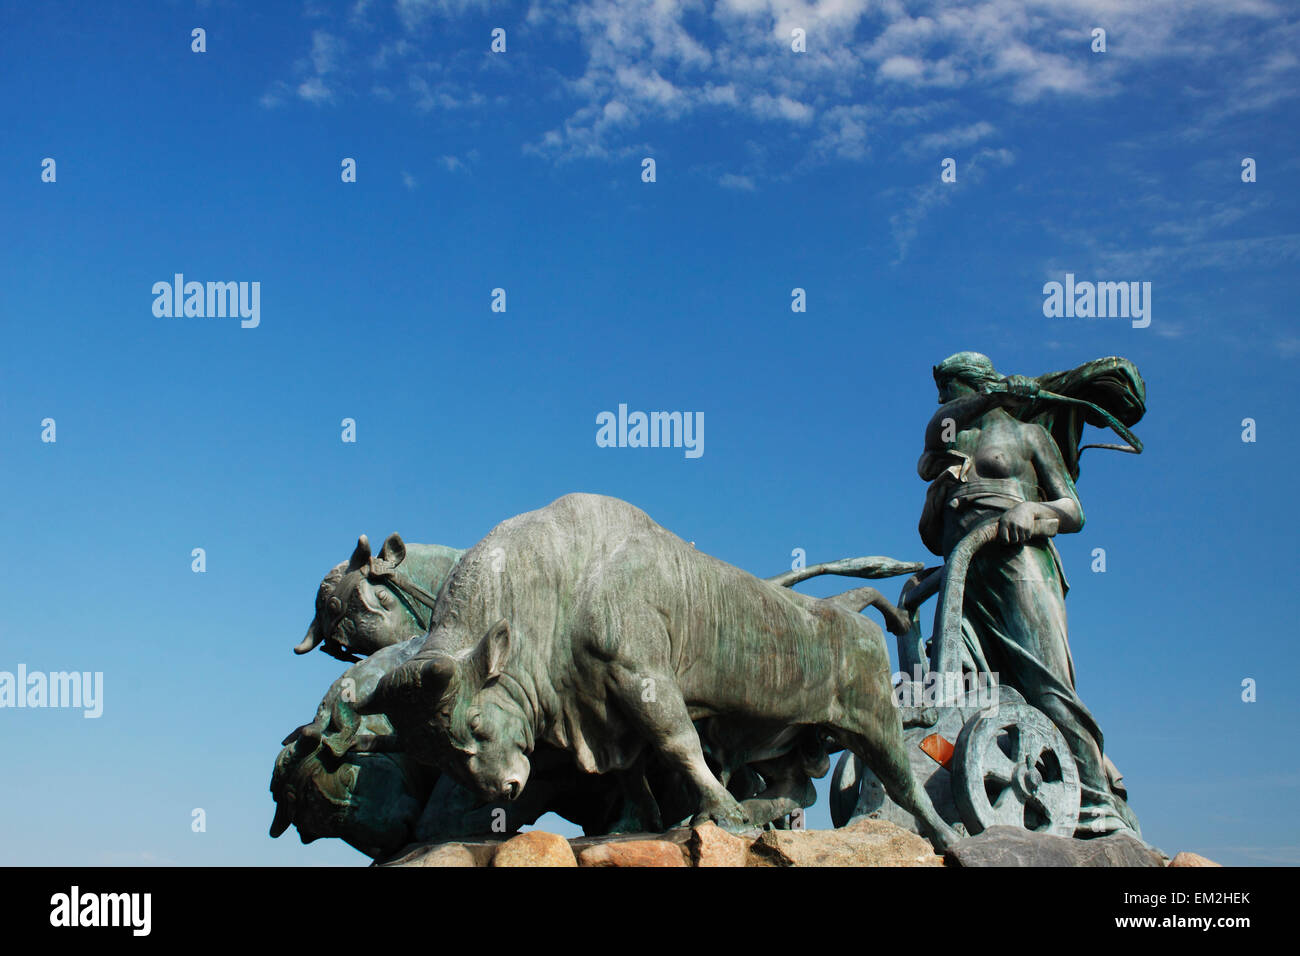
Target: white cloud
(441,94)
(870,65)
(325,52)
(904,68)
(414,14)
(780,107)
(1253,253)
(313,90)
(1019,51)
(925,199)
(843,132)
(953,138)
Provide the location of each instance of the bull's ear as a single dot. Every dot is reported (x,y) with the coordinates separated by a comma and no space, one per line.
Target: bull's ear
(361,556)
(492,651)
(429,679)
(394,550)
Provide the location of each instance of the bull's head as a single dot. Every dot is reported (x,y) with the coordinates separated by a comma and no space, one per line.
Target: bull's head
(357,614)
(370,799)
(456,712)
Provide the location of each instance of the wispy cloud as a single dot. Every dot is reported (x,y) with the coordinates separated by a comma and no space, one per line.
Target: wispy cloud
(315,73)
(925,199)
(734,181)
(1254,253)
(867,66)
(957,137)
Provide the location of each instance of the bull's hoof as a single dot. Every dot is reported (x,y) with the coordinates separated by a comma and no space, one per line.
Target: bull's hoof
(942,837)
(730,818)
(764,811)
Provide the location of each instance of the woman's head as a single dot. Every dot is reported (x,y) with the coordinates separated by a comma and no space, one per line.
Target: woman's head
(962,374)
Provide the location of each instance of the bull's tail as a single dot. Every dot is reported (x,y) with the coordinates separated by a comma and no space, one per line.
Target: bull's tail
(871,566)
(897,621)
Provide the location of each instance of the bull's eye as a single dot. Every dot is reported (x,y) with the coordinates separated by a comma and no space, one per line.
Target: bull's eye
(335,604)
(475,723)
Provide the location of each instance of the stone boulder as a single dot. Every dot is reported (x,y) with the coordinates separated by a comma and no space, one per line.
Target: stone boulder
(1012,846)
(535,848)
(866,842)
(468,852)
(710,846)
(634,853)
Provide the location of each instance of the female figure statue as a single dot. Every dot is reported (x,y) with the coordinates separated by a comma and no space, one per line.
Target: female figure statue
(1007,449)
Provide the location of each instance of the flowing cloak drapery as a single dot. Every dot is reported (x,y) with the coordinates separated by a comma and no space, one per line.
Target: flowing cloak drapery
(1014,621)
(1111,383)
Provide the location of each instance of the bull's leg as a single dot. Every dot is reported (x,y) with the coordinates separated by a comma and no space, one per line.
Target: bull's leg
(640,811)
(872,727)
(788,789)
(655,706)
(879,742)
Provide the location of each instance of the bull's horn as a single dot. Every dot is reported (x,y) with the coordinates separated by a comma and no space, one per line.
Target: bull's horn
(361,555)
(283,816)
(424,676)
(310,641)
(436,673)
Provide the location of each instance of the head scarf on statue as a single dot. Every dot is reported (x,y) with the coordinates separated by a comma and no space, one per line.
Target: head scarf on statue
(1106,392)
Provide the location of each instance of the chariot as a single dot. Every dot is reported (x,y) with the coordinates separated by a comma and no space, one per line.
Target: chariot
(984,755)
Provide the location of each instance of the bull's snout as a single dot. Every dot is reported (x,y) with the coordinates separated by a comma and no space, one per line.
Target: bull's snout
(512,788)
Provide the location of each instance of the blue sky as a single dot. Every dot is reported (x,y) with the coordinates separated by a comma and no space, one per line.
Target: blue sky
(522,171)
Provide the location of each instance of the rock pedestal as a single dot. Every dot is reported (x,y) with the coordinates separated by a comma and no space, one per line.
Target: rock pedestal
(864,843)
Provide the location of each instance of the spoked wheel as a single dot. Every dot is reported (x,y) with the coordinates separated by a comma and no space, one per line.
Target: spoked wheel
(1013,767)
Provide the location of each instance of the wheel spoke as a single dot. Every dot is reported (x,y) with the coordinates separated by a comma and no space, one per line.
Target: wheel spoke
(1008,808)
(1029,744)
(997,764)
(1043,810)
(1051,792)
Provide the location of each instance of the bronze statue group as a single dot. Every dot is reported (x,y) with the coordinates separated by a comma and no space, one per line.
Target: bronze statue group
(582,659)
